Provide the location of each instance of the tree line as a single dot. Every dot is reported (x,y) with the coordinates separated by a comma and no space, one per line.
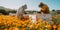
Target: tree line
(6,12)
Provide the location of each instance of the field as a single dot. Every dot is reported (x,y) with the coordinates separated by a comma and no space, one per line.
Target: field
(8,22)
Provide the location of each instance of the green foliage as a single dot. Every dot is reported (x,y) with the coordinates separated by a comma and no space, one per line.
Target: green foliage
(3,12)
(56,20)
(12,11)
(6,11)
(2,26)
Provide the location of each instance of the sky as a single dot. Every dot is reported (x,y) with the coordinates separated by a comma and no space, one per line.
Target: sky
(31,4)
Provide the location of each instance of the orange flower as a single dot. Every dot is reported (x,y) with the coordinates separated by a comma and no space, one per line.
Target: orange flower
(54,26)
(48,26)
(40,20)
